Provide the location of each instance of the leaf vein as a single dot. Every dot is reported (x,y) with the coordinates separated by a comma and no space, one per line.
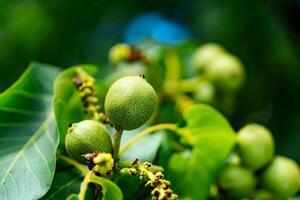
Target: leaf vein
(31,95)
(21,111)
(37,148)
(17,124)
(16,186)
(50,139)
(3,186)
(30,170)
(14,138)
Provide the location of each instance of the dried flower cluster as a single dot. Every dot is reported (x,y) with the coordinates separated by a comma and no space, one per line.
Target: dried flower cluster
(100,163)
(160,188)
(85,85)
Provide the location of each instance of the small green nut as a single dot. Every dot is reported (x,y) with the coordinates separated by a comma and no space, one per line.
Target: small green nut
(205,54)
(236,182)
(204,92)
(226,72)
(86,137)
(281,177)
(255,145)
(130,102)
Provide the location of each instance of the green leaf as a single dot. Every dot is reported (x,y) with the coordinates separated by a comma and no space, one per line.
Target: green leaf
(66,181)
(167,148)
(295,198)
(72,197)
(193,172)
(130,186)
(67,104)
(145,149)
(202,121)
(109,189)
(28,136)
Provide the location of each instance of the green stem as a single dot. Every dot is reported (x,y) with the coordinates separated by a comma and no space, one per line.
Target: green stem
(84,185)
(172,64)
(116,144)
(145,132)
(90,178)
(188,85)
(183,102)
(76,164)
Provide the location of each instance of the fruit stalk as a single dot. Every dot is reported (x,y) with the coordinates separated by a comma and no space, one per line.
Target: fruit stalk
(116,143)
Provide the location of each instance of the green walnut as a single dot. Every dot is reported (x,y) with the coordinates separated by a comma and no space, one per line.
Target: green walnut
(86,137)
(281,177)
(205,54)
(130,102)
(226,72)
(204,92)
(236,182)
(255,146)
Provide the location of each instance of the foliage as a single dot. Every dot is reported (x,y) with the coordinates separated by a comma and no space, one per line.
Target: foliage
(178,153)
(28,135)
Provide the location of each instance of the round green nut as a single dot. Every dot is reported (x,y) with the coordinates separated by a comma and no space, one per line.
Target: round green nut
(205,54)
(281,177)
(86,137)
(236,182)
(204,92)
(130,102)
(226,72)
(255,145)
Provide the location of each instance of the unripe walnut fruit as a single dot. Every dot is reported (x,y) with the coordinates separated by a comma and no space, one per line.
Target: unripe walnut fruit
(226,72)
(205,54)
(204,92)
(86,137)
(236,181)
(282,177)
(255,145)
(130,102)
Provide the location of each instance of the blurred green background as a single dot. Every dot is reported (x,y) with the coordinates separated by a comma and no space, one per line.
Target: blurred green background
(264,34)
